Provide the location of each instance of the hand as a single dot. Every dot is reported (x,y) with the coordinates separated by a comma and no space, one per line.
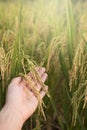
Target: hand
(18,100)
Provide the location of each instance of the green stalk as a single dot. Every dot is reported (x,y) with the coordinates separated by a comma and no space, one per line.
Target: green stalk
(70,30)
(16,57)
(64,68)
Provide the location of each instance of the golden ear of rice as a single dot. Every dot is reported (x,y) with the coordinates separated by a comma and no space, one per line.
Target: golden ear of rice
(37,79)
(5,59)
(2,62)
(54,49)
(78,80)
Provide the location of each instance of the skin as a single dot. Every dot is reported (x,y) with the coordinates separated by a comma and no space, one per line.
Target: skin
(19,105)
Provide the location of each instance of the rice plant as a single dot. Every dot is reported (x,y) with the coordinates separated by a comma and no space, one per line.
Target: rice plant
(52,34)
(78,81)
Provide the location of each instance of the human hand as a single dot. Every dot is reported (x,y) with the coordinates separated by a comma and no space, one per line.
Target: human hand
(24,104)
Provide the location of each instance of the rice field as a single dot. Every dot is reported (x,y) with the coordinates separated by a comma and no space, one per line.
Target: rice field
(53,34)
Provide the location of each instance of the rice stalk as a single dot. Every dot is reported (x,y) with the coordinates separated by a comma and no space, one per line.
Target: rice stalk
(17,53)
(4,73)
(70,30)
(53,50)
(31,65)
(78,80)
(2,62)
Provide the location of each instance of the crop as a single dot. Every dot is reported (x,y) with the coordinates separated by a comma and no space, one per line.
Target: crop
(52,34)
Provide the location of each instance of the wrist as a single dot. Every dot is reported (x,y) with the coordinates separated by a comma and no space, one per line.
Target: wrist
(9,117)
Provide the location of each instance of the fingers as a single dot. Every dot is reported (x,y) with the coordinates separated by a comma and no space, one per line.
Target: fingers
(44,77)
(42,93)
(42,74)
(37,85)
(41,71)
(16,80)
